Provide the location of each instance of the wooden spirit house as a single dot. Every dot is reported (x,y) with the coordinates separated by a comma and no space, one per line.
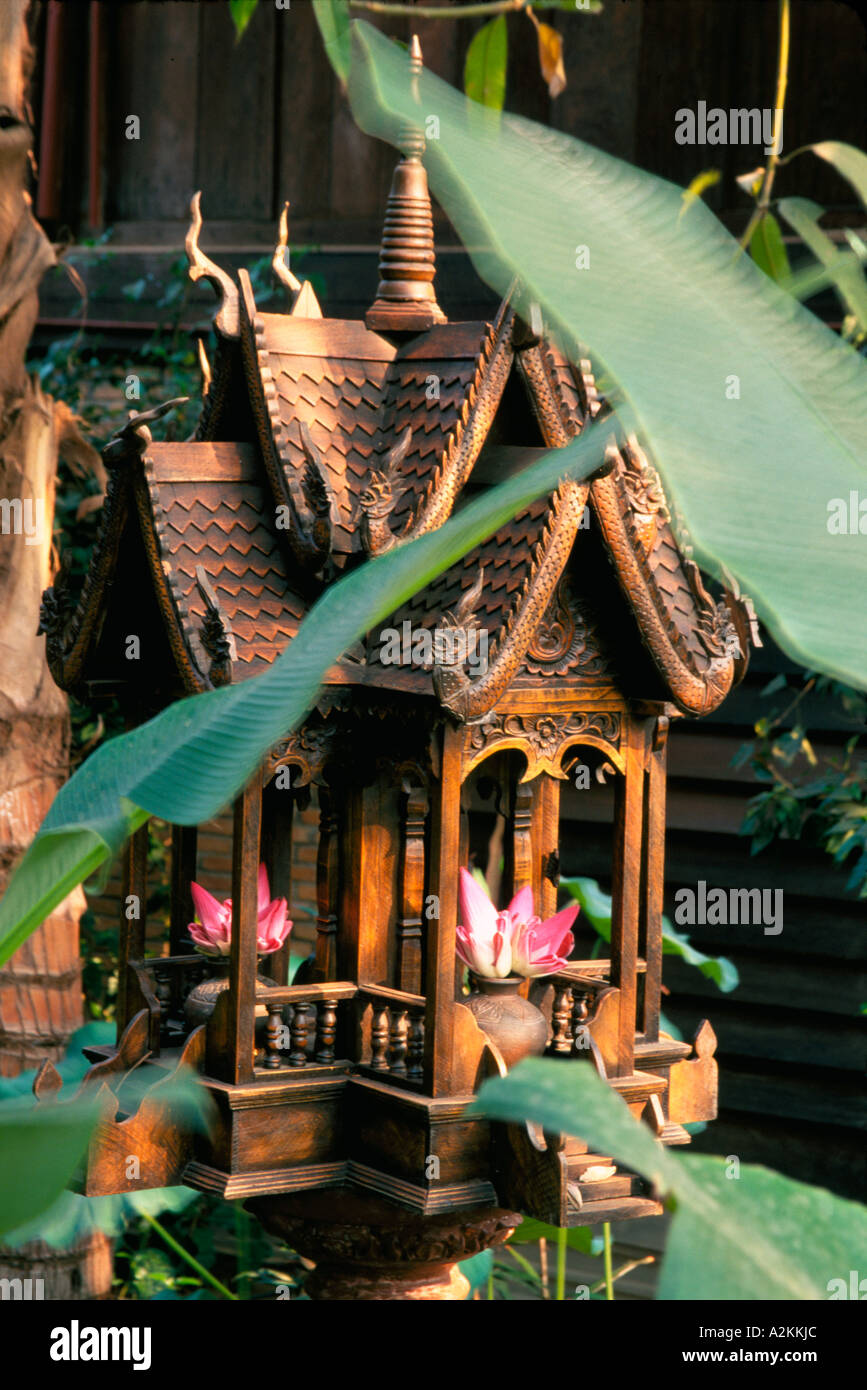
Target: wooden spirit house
(341,1100)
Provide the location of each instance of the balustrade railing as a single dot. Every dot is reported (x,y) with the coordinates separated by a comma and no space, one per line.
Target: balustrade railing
(301,1024)
(396,1031)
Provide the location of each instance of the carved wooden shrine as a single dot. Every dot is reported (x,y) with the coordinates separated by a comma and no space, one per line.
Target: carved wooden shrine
(322,442)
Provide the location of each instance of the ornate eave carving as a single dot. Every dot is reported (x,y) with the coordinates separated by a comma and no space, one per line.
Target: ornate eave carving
(466,699)
(226,319)
(629,534)
(215,634)
(465,442)
(306,497)
(565,639)
(303,302)
(71,627)
(545,739)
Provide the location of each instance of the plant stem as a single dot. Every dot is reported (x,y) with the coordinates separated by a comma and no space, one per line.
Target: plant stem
(562,1247)
(446,11)
(609,1280)
(764,198)
(523,1262)
(624,1269)
(543,1266)
(190,1259)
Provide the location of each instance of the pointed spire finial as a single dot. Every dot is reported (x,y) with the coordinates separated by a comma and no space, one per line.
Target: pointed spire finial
(406,299)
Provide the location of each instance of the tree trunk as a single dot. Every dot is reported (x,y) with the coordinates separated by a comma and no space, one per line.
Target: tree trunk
(40,987)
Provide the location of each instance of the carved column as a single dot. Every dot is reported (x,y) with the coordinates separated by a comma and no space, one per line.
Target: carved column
(409,926)
(327,888)
(653,873)
(625,890)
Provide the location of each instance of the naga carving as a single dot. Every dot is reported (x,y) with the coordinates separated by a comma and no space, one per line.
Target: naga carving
(468,699)
(215,634)
(378,500)
(226,319)
(643,488)
(304,303)
(465,442)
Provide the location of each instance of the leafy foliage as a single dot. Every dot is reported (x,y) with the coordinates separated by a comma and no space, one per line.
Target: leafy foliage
(823,803)
(39,1153)
(757,1235)
(41,1209)
(736,389)
(596,909)
(485,64)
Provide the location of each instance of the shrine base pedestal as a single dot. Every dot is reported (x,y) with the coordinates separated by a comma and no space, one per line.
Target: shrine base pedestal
(366,1248)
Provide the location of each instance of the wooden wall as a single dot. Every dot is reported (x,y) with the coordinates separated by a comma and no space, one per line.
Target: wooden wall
(254,122)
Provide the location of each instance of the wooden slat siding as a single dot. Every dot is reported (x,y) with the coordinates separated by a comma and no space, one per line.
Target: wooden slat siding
(259,121)
(236,174)
(152,66)
(601,100)
(692,51)
(303,132)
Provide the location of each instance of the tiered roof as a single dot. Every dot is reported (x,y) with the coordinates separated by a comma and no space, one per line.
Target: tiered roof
(324,440)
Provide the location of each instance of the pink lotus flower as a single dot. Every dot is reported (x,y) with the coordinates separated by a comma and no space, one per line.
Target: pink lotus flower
(212,931)
(496,944)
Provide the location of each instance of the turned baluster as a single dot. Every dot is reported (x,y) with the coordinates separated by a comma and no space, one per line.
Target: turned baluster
(379,1038)
(561,1018)
(163,991)
(397,1042)
(415,1047)
(274,1035)
(580,1013)
(298,1035)
(326,1030)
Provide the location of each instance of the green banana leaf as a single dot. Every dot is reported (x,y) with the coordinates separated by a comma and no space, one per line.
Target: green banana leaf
(739,1231)
(39,1151)
(755,412)
(842,267)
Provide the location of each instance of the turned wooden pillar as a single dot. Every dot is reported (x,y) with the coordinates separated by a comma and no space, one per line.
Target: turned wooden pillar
(652,877)
(242,968)
(625,891)
(441,934)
